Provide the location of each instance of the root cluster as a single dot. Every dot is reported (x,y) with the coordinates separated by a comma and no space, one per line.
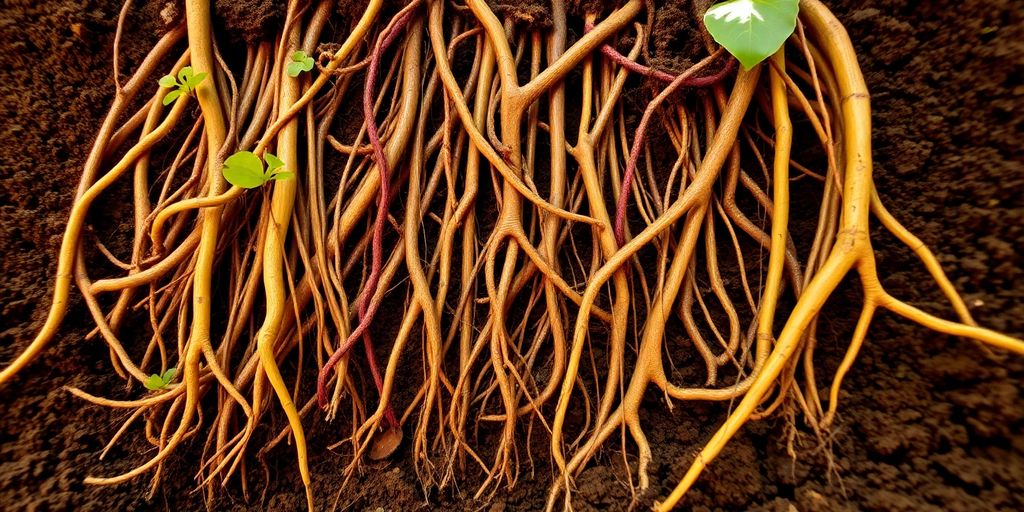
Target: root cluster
(497,231)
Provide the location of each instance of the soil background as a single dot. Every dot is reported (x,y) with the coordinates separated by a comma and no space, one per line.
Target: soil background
(927,422)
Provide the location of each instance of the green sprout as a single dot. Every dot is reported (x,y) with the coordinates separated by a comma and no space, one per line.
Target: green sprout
(300,63)
(184,83)
(244,169)
(156,382)
(752,30)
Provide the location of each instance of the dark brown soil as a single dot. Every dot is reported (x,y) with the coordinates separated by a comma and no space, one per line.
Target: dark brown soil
(251,21)
(928,422)
(535,14)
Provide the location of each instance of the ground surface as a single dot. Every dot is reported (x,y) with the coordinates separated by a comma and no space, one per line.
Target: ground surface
(928,423)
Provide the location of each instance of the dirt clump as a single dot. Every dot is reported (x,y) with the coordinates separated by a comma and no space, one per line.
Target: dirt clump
(249,21)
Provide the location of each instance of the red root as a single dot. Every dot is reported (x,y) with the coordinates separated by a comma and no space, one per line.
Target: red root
(684,79)
(367,308)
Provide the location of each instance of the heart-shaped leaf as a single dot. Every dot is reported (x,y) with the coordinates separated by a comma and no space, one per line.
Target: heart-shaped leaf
(244,169)
(154,382)
(752,30)
(184,74)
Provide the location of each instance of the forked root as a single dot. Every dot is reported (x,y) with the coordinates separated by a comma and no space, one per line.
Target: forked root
(852,251)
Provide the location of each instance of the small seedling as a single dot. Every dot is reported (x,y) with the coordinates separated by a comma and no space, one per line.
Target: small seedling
(752,30)
(300,63)
(156,382)
(244,169)
(184,83)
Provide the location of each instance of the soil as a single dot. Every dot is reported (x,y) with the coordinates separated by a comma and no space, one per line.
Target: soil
(928,422)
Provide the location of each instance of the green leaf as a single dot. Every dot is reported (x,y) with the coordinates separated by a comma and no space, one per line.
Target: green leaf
(168,81)
(168,375)
(171,96)
(273,162)
(294,69)
(154,382)
(299,64)
(244,169)
(194,80)
(184,74)
(283,175)
(752,30)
